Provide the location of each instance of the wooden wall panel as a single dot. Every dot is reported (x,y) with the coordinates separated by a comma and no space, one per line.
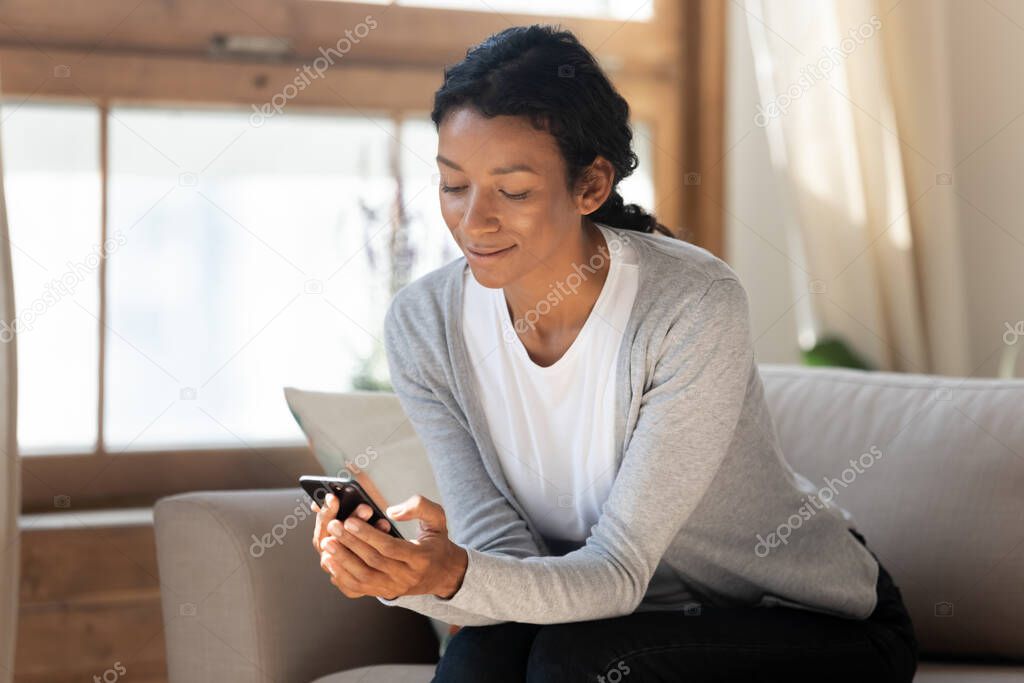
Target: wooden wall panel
(89,602)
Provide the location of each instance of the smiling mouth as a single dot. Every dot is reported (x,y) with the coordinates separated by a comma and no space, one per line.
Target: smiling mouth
(487,254)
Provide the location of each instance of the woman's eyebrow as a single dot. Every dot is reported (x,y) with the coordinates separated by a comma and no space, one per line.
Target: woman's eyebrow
(494,171)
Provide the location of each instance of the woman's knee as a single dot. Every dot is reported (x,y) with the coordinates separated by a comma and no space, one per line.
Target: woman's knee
(492,653)
(567,652)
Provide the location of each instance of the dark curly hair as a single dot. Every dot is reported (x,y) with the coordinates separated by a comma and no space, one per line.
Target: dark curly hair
(544,73)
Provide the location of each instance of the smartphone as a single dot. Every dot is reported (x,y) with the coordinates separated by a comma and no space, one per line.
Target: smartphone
(349,493)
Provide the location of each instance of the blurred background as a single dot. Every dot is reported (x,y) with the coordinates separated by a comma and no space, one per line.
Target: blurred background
(209,200)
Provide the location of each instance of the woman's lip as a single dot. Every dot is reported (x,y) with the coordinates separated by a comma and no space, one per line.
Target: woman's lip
(497,254)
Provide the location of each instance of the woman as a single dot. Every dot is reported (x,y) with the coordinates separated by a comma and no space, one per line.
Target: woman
(613,491)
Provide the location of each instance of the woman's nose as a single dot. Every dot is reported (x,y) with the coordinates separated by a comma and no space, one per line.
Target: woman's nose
(479,213)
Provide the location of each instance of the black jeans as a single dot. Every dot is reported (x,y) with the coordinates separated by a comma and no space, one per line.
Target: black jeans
(718,644)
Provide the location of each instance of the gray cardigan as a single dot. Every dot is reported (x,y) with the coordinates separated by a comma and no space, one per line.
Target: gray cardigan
(702,501)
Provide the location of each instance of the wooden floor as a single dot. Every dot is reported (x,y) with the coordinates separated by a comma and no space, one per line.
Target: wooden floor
(90,599)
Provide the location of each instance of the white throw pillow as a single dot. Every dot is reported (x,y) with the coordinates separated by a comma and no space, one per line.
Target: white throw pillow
(366,435)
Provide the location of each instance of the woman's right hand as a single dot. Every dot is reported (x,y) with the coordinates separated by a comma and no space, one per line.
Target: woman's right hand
(325,515)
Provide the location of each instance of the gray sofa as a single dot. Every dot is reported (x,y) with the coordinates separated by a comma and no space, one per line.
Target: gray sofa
(244,598)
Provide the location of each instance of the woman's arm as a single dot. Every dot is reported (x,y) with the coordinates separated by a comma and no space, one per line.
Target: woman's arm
(478,515)
(686,423)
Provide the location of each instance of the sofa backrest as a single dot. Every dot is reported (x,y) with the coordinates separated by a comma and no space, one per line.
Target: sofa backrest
(942,505)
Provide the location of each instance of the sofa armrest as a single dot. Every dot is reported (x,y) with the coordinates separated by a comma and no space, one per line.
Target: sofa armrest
(244,598)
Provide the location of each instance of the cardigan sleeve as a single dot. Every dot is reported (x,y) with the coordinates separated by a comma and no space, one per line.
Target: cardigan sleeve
(478,515)
(688,414)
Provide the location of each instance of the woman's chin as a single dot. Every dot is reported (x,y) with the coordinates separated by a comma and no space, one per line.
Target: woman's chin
(487,277)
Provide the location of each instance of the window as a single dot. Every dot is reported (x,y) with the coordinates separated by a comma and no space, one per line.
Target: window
(239,259)
(625,10)
(245,249)
(52,179)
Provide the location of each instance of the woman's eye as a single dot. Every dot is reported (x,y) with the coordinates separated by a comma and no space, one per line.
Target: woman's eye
(517,197)
(446,188)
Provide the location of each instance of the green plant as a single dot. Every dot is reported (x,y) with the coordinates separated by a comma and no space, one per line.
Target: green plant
(834,352)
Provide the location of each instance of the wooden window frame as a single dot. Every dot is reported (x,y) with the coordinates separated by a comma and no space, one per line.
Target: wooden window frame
(158,54)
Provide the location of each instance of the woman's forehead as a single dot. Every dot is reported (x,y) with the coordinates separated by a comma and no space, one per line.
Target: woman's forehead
(500,144)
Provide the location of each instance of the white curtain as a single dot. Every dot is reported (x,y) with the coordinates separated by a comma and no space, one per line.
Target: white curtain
(10,483)
(857,192)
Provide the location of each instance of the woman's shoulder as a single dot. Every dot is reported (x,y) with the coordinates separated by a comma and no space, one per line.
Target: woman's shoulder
(672,257)
(425,300)
(677,275)
(417,315)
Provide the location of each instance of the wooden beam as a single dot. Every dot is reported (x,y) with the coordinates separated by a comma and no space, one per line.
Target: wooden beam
(701,178)
(139,478)
(368,33)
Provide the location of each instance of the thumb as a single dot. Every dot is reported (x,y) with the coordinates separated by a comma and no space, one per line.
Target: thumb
(430,514)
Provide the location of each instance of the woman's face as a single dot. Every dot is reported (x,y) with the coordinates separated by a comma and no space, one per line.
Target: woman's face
(503,187)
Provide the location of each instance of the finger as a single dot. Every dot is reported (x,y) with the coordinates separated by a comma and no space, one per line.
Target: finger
(324,516)
(370,555)
(361,577)
(364,511)
(355,588)
(345,584)
(349,587)
(336,530)
(317,527)
(329,544)
(382,542)
(325,561)
(350,574)
(430,514)
(399,509)
(346,560)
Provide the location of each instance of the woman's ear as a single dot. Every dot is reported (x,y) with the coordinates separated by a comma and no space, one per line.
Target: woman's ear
(595,185)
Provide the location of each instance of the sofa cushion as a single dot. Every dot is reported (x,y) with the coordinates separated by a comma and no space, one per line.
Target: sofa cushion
(927,672)
(942,672)
(388,673)
(941,504)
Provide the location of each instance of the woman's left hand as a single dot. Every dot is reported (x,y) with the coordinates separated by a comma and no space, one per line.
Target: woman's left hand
(364,560)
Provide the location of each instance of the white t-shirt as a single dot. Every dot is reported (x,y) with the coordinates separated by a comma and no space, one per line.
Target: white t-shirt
(553,426)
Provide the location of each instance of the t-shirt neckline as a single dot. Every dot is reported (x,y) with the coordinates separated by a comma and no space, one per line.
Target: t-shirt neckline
(597,312)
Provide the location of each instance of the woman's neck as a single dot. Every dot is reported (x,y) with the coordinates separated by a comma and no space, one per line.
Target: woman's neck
(552,302)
